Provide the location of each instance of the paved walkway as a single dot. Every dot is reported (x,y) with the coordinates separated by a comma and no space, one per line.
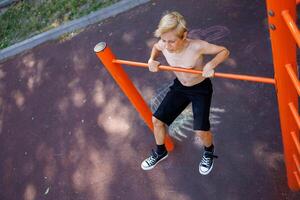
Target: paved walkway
(67,131)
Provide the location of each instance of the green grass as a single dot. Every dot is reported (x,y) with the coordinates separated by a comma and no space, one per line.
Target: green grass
(28,18)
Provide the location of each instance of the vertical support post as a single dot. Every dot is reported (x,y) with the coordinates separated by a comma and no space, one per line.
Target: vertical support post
(106,56)
(284,52)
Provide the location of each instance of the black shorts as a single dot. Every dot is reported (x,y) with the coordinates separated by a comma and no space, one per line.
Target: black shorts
(179,97)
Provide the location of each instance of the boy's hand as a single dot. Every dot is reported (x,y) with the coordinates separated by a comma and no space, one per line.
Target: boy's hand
(208,71)
(153,65)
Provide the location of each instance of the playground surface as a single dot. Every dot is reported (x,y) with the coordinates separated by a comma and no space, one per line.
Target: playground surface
(68,132)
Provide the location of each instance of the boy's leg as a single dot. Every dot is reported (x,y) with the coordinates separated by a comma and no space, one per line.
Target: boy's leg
(206,137)
(201,109)
(171,106)
(159,131)
(161,152)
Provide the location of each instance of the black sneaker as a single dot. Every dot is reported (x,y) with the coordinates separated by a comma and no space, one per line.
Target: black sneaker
(153,160)
(207,162)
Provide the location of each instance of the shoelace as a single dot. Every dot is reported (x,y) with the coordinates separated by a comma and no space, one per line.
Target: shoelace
(206,159)
(151,160)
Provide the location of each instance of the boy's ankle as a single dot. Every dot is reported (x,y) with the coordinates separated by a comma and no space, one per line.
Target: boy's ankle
(210,148)
(161,149)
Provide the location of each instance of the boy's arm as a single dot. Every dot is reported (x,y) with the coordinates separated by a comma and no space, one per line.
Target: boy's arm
(152,63)
(221,54)
(155,52)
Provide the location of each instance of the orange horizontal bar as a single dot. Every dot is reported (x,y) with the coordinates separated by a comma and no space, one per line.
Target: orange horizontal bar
(293,77)
(295,113)
(291,25)
(297,163)
(220,75)
(297,178)
(296,141)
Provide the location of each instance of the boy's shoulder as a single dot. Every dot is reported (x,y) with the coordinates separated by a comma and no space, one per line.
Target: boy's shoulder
(197,43)
(159,45)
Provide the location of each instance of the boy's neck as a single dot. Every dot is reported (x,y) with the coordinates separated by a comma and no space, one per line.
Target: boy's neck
(185,43)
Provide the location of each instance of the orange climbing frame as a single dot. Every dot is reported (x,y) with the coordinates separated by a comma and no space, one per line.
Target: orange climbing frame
(284,37)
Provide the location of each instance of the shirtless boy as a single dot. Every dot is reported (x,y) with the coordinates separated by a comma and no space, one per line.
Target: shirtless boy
(181,51)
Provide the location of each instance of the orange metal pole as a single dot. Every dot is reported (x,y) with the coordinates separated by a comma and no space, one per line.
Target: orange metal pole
(292,25)
(297,163)
(296,141)
(295,113)
(220,75)
(297,178)
(296,173)
(106,56)
(284,52)
(293,77)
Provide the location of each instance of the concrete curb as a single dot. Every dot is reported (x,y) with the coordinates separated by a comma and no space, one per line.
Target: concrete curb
(5,3)
(52,34)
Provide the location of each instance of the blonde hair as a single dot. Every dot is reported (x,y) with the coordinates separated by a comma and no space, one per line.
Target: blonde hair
(171,21)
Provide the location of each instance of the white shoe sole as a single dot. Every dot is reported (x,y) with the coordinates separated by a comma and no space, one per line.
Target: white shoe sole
(149,168)
(207,172)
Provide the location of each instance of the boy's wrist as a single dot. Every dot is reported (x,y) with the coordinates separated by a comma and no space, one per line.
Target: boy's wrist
(150,60)
(210,65)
